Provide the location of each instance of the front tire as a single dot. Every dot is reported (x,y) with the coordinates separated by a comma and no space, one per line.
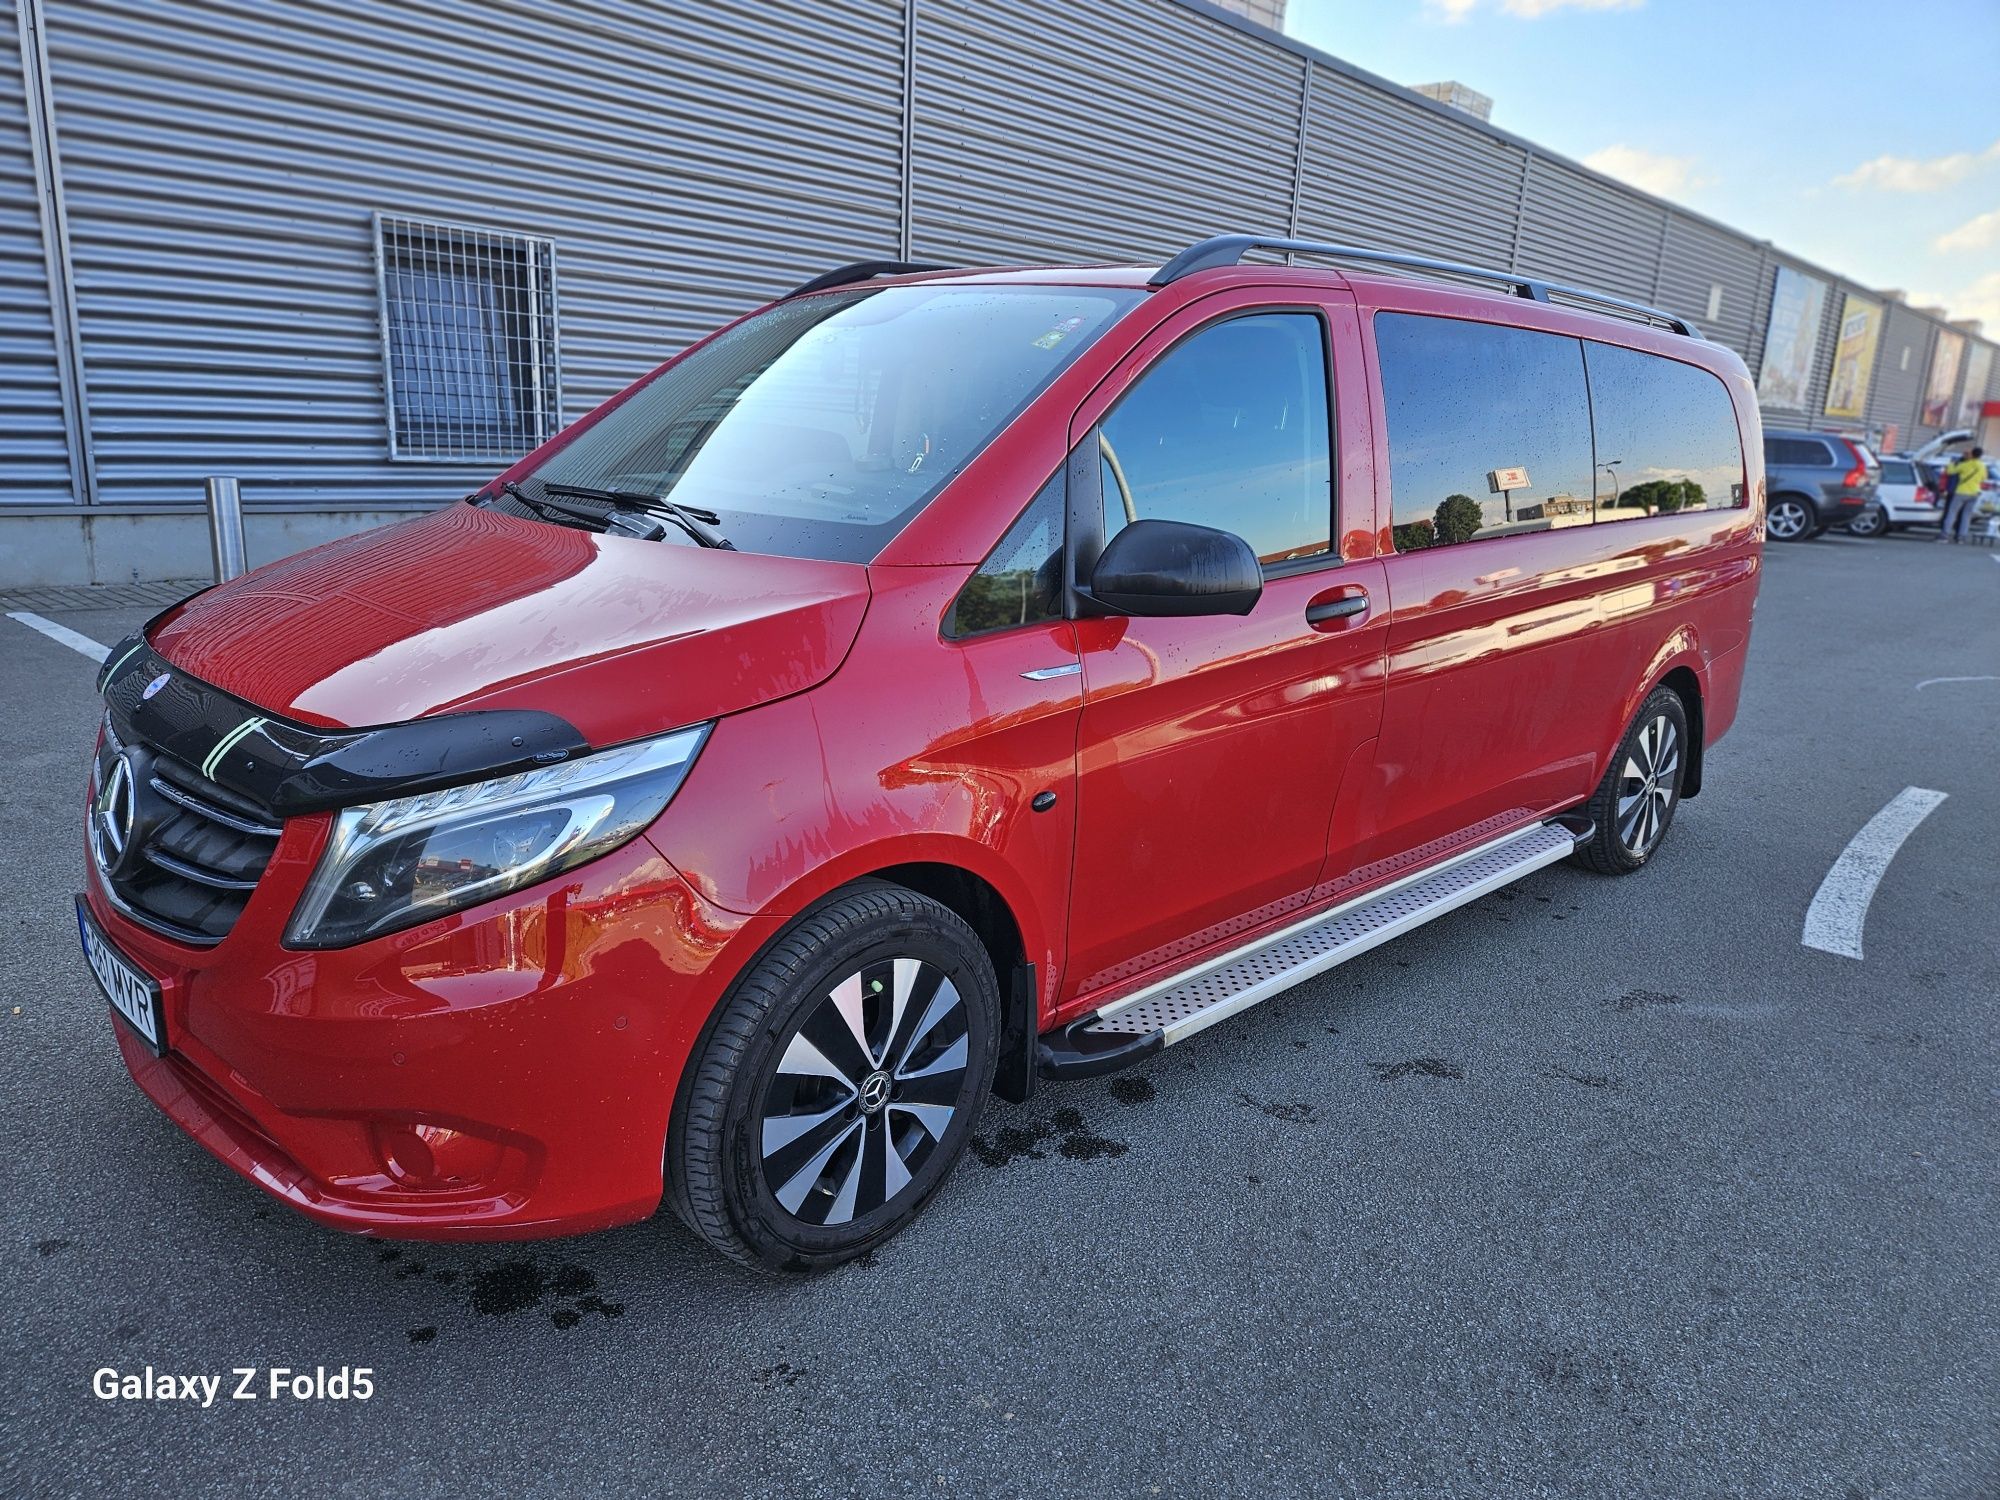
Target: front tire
(1788,518)
(837,1087)
(1634,804)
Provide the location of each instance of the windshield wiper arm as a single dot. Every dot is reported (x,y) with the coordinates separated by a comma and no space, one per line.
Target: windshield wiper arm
(550,509)
(699,524)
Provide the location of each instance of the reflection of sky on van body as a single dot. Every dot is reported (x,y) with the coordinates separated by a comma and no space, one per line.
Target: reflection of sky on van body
(1466,398)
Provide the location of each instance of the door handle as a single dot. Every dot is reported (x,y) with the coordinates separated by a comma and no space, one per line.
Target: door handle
(1328,611)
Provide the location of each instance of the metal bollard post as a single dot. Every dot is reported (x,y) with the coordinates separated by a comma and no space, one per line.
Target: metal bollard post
(225,529)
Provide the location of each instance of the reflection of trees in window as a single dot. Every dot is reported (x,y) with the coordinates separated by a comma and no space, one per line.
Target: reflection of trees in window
(1458,518)
(1414,536)
(1662,497)
(1021,581)
(998,599)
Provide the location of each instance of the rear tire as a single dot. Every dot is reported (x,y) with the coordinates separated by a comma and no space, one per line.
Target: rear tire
(1872,522)
(838,1085)
(1634,804)
(1789,518)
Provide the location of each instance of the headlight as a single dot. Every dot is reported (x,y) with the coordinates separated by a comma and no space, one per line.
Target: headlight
(394,864)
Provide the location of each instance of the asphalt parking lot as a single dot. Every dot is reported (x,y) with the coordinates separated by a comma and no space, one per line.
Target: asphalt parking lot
(1597,1187)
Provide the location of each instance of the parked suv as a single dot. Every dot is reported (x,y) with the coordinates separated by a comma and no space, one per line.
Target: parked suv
(930,683)
(1816,480)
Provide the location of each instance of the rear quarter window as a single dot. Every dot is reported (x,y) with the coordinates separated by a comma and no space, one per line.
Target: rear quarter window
(1666,435)
(1797,453)
(1489,429)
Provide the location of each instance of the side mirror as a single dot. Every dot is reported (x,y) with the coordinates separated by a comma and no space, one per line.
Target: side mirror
(1174,568)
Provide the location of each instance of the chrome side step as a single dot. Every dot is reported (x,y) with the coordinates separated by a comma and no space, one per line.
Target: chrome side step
(1177,1007)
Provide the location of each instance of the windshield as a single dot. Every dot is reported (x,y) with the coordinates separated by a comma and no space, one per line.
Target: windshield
(818,427)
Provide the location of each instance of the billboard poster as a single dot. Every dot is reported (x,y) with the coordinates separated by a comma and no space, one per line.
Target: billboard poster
(1854,358)
(1797,302)
(1944,379)
(1978,372)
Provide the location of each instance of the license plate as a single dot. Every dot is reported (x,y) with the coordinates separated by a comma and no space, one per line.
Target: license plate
(132,993)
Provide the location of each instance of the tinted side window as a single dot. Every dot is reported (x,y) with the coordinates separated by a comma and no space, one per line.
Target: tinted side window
(1797,453)
(1895,471)
(1489,429)
(1021,580)
(1229,429)
(1666,435)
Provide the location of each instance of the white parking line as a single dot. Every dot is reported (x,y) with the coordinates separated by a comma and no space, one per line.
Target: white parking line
(1840,905)
(1933,681)
(62,633)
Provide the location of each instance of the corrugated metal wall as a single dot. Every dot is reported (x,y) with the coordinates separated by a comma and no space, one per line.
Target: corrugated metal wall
(1581,229)
(1038,139)
(1385,171)
(1899,372)
(1699,257)
(223,158)
(34,458)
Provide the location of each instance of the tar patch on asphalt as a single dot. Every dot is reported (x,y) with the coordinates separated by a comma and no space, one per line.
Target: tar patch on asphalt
(1133,1088)
(1426,1067)
(1291,1113)
(1588,1080)
(1636,1000)
(1064,1130)
(563,1290)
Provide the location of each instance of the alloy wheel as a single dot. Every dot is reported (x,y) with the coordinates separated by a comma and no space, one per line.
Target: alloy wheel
(864,1091)
(1787,520)
(1647,785)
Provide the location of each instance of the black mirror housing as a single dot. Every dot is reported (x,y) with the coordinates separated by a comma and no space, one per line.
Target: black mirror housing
(1175,568)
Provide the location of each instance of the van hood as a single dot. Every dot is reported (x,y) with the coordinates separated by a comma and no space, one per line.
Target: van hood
(466,609)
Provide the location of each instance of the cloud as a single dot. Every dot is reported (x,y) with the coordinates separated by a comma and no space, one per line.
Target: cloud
(1981,300)
(1532,9)
(1650,171)
(1976,233)
(1451,12)
(1910,174)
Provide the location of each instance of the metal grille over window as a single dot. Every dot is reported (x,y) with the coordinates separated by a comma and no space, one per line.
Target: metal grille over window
(468,340)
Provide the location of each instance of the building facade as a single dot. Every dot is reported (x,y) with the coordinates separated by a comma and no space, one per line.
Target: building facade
(357,254)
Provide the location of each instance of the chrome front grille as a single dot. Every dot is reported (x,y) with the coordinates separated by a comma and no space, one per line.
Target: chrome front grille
(179,854)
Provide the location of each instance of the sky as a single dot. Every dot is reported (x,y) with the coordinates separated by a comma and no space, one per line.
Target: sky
(1866,144)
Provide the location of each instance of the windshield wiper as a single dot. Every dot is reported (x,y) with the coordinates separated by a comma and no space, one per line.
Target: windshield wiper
(550,510)
(699,524)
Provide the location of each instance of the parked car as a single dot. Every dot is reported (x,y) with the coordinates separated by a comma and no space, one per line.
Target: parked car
(1816,480)
(930,683)
(1905,497)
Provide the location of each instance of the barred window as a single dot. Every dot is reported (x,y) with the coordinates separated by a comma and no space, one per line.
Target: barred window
(468,339)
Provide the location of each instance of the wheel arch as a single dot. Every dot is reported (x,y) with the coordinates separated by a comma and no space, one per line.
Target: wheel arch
(1678,664)
(1683,681)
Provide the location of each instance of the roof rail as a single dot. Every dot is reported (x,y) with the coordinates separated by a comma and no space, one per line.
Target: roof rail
(1229,249)
(860,270)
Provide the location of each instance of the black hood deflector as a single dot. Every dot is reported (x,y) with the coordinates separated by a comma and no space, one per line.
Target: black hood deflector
(293,768)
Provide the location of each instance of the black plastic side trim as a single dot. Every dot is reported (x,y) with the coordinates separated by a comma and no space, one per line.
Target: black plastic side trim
(289,768)
(860,270)
(1072,1052)
(1579,827)
(1015,1078)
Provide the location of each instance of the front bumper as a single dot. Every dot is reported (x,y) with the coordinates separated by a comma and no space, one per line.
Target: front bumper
(504,1073)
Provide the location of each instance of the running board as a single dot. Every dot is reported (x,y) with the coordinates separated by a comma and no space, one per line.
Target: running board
(1175,1008)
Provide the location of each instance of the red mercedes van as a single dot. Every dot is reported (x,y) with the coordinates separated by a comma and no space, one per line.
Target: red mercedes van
(933,682)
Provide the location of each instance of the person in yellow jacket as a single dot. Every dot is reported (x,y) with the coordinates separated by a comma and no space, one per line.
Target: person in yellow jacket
(1966,478)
